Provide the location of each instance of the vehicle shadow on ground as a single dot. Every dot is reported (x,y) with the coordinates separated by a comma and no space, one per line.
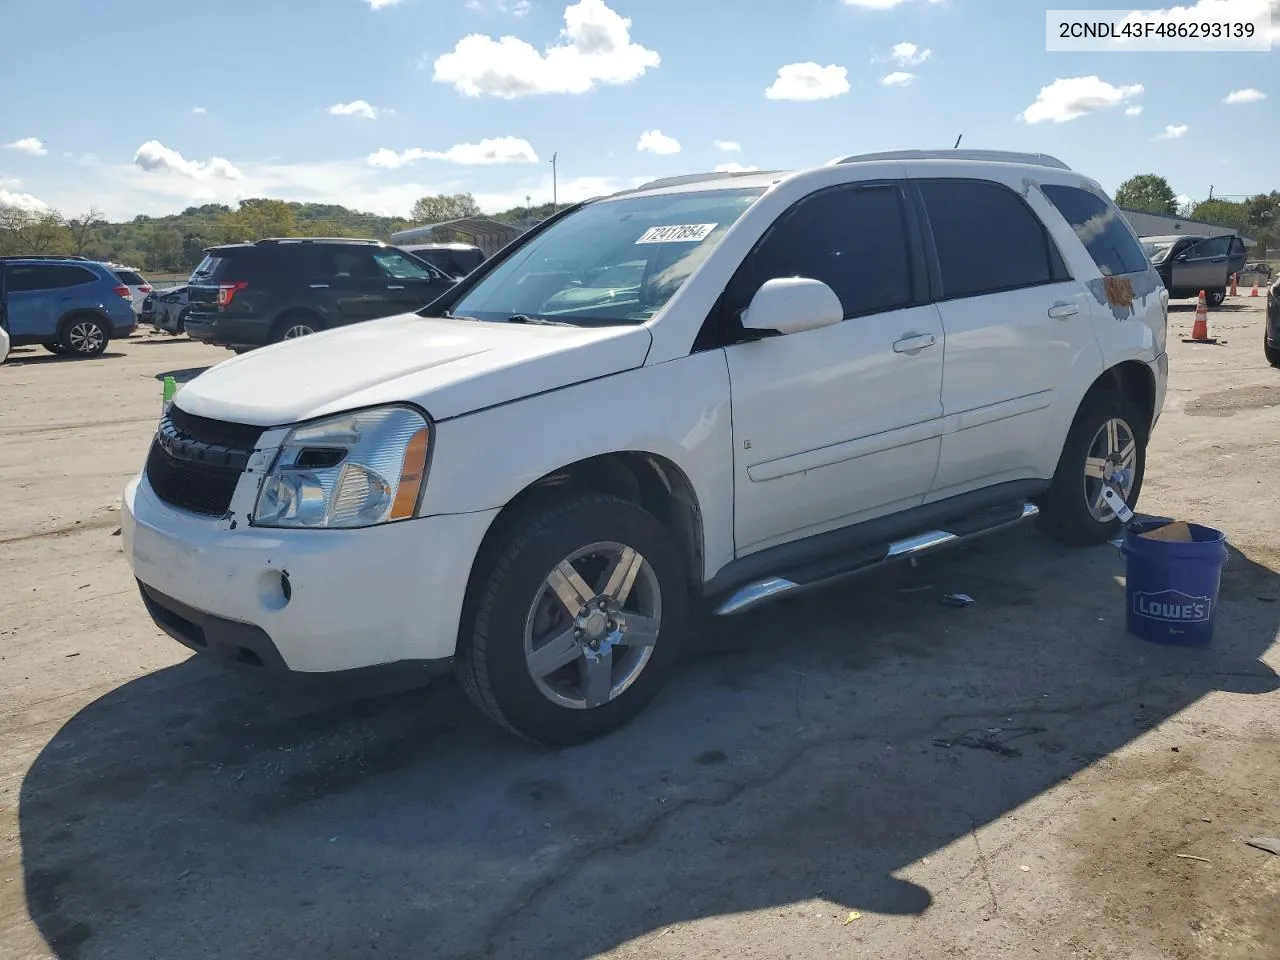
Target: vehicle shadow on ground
(808,752)
(1231,306)
(183,375)
(160,339)
(39,359)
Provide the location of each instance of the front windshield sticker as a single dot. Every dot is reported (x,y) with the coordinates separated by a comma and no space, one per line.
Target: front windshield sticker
(678,233)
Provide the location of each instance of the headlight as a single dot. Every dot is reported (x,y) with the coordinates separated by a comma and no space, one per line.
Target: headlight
(354,470)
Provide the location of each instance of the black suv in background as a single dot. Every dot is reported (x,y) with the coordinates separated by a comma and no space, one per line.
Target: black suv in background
(246,295)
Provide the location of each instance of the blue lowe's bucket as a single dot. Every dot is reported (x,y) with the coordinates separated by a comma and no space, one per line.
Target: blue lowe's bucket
(1171,589)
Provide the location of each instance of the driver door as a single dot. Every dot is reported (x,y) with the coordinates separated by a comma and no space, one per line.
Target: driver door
(843,423)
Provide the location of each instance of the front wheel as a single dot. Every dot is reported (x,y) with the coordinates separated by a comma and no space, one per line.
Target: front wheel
(1216,298)
(574,619)
(1106,446)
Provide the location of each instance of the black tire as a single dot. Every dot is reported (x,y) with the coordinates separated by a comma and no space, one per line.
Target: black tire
(1216,298)
(508,577)
(292,321)
(55,348)
(84,335)
(1064,509)
(1271,353)
(180,325)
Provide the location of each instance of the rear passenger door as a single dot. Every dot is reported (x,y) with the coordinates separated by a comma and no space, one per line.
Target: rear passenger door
(1015,326)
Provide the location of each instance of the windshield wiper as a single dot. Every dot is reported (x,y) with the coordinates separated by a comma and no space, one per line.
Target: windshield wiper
(539,321)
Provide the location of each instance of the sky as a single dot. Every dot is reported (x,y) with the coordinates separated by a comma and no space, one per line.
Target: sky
(155,105)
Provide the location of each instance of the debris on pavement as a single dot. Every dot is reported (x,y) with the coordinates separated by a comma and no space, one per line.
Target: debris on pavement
(1187,856)
(853,915)
(958,600)
(1269,844)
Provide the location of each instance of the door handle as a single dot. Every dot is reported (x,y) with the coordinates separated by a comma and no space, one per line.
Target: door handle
(393,286)
(1061,310)
(914,342)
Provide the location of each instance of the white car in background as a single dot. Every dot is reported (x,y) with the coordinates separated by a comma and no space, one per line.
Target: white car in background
(135,281)
(813,373)
(4,345)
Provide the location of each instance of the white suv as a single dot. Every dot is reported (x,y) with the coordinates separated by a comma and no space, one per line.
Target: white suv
(718,388)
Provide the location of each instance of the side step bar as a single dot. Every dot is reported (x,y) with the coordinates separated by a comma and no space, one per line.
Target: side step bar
(761,591)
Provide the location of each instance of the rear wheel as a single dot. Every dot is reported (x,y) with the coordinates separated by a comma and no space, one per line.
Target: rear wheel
(295,325)
(1272,353)
(574,619)
(1106,447)
(84,336)
(180,325)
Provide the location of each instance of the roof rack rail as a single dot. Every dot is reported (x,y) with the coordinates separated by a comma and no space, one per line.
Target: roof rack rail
(317,240)
(44,256)
(997,156)
(697,178)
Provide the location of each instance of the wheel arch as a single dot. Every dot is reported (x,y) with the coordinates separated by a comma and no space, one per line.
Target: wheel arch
(298,312)
(77,313)
(648,480)
(1133,379)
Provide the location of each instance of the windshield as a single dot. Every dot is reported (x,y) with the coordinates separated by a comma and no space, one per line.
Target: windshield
(1157,250)
(612,262)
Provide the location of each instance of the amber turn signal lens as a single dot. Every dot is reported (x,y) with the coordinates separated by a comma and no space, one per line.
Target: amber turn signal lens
(412,472)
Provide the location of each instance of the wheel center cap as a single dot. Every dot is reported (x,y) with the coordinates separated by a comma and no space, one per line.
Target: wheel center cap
(595,624)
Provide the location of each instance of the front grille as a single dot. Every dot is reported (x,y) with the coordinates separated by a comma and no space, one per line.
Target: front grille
(195,463)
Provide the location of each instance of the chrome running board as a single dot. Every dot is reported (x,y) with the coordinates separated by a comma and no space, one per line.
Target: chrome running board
(770,588)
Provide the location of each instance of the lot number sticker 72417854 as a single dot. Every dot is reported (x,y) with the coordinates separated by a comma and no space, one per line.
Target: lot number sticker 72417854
(678,233)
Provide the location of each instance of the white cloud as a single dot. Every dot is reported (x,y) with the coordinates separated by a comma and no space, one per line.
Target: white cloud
(1182,200)
(356,108)
(199,111)
(808,81)
(30,145)
(515,8)
(897,79)
(1134,111)
(734,168)
(909,55)
(154,157)
(879,4)
(595,47)
(484,153)
(22,201)
(1248,95)
(379,4)
(1072,97)
(655,141)
(729,146)
(1174,132)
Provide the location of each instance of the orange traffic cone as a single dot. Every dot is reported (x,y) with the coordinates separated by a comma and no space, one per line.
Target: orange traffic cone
(1254,291)
(1235,288)
(1200,329)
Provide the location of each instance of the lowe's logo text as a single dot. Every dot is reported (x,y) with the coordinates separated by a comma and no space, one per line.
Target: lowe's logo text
(1172,605)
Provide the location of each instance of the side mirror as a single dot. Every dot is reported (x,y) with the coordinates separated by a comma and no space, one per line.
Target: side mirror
(792,305)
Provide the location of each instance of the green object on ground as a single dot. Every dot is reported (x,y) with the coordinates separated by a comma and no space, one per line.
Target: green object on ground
(170,388)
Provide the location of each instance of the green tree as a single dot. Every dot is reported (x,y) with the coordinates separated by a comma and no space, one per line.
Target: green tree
(443,207)
(164,249)
(1223,213)
(192,251)
(25,231)
(1147,191)
(256,219)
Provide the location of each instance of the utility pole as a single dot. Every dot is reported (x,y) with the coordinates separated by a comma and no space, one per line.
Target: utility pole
(958,139)
(1211,191)
(555,186)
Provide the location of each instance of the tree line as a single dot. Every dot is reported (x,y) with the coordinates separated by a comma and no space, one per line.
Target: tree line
(176,243)
(1256,217)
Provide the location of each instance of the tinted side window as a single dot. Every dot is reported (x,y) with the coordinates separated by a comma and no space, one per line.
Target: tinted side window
(346,262)
(1100,228)
(853,239)
(130,278)
(987,239)
(21,279)
(70,276)
(1218,246)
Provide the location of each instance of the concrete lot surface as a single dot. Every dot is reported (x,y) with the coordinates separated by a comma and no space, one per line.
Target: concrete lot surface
(862,773)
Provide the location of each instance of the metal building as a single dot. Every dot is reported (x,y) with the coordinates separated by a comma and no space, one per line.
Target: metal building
(1166,225)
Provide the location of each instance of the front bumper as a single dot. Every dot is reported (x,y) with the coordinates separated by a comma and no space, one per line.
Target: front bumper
(311,601)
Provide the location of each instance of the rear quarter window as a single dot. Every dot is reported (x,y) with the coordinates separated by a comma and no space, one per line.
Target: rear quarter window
(130,278)
(1100,228)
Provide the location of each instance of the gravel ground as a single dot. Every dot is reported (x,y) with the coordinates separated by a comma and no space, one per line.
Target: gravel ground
(863,772)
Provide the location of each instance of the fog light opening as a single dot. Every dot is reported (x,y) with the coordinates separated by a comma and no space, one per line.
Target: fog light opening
(274,589)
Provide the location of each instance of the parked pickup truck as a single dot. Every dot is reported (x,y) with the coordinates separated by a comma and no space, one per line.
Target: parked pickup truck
(817,372)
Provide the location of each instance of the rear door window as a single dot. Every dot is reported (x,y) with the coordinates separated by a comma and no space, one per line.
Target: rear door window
(1100,228)
(396,266)
(987,239)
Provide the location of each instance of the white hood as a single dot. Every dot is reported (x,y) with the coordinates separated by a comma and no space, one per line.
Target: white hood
(449,367)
